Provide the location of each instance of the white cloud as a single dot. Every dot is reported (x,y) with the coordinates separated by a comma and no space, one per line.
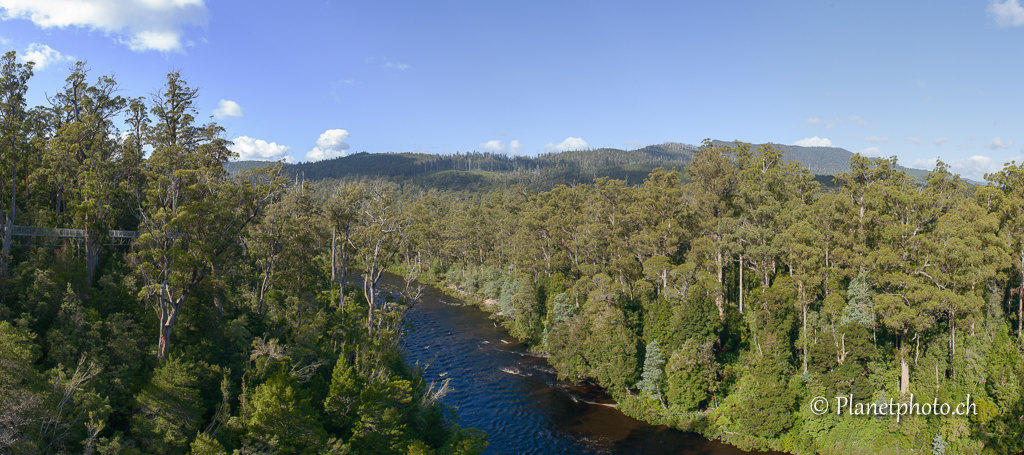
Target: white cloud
(396,65)
(813,121)
(249,148)
(43,56)
(1008,13)
(634,144)
(331,144)
(856,119)
(977,166)
(570,143)
(515,147)
(927,164)
(494,147)
(973,168)
(870,152)
(920,83)
(142,25)
(814,142)
(881,140)
(941,140)
(997,144)
(227,108)
(916,141)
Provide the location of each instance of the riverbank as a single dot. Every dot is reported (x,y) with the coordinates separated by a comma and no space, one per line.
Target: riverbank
(702,424)
(514,395)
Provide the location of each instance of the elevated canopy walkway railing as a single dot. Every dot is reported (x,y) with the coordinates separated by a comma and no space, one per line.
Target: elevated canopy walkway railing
(40,231)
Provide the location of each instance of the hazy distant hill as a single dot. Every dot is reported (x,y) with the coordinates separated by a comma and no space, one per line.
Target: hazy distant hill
(476,170)
(822,160)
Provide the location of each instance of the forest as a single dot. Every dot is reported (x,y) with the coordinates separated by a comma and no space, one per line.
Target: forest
(222,327)
(252,312)
(725,301)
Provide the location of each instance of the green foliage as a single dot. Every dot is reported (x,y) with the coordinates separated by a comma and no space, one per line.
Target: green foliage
(342,399)
(653,371)
(279,417)
(169,409)
(938,445)
(765,403)
(562,308)
(205,445)
(691,375)
(236,270)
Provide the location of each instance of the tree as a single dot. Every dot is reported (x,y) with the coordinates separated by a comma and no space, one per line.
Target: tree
(190,213)
(654,362)
(169,410)
(1010,181)
(22,392)
(84,159)
(13,87)
(281,418)
(343,209)
(801,244)
(903,213)
(380,237)
(712,186)
(691,374)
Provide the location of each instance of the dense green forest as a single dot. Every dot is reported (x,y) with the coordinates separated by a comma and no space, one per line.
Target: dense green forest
(221,328)
(725,301)
(719,293)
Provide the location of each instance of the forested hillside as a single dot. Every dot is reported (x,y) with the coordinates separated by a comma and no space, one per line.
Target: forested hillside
(725,301)
(221,327)
(489,171)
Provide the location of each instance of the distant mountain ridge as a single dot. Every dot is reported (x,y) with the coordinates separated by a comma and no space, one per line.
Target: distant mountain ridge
(821,160)
(570,167)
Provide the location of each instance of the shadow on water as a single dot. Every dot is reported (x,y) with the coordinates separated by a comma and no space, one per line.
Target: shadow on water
(516,397)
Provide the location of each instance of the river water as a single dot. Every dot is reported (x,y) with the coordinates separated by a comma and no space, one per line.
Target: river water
(516,398)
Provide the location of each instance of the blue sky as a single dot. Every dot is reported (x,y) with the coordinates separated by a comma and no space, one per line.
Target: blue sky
(316,79)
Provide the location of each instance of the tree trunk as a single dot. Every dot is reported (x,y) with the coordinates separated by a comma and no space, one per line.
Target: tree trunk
(92,251)
(741,284)
(334,250)
(344,272)
(92,257)
(904,370)
(168,315)
(8,227)
(9,224)
(952,341)
(804,304)
(369,291)
(719,298)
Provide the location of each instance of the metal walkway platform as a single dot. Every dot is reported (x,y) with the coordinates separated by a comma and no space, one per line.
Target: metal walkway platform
(38,231)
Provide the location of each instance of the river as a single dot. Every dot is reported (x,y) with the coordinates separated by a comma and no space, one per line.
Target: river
(516,398)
